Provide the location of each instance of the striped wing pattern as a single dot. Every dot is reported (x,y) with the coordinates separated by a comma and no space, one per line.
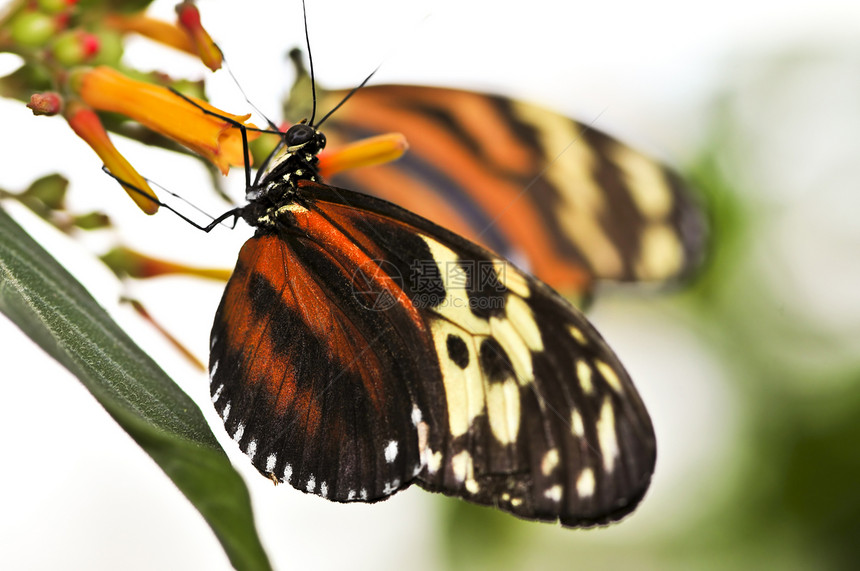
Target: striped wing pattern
(360,348)
(565,201)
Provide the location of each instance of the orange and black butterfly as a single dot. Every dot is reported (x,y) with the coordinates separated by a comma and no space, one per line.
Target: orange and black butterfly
(566,202)
(360,348)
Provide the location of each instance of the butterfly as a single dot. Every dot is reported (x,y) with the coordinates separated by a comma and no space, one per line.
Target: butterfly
(360,348)
(565,201)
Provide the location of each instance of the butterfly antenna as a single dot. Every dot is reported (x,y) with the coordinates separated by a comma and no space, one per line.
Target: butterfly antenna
(234,213)
(346,97)
(399,46)
(310,65)
(238,85)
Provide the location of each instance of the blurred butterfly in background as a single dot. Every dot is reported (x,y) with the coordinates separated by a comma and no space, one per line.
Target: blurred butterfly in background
(485,167)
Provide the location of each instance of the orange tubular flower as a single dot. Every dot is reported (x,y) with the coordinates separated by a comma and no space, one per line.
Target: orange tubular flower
(86,124)
(127,262)
(157,30)
(204,46)
(363,153)
(167,113)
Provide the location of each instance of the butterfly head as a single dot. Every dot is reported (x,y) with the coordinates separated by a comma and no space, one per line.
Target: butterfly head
(296,160)
(304,138)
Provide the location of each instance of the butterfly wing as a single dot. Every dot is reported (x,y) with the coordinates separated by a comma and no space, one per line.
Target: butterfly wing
(301,371)
(564,200)
(362,347)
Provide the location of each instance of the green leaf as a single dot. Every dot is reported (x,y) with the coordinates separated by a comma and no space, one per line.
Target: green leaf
(54,310)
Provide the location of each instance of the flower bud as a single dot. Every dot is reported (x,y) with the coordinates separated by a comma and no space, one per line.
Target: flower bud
(86,124)
(47,103)
(75,47)
(204,46)
(32,29)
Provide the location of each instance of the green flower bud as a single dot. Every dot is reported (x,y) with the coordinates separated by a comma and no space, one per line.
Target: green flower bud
(32,29)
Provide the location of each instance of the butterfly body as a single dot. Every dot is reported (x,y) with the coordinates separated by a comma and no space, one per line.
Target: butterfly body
(360,348)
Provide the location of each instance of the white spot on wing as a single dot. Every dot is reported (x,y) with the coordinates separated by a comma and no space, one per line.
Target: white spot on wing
(213,368)
(464,471)
(416,415)
(585,483)
(217,394)
(312,483)
(252,449)
(549,461)
(606,435)
(583,373)
(240,431)
(553,493)
(433,461)
(576,425)
(576,333)
(350,495)
(270,462)
(324,489)
(461,465)
(391,451)
(609,374)
(226,412)
(288,473)
(503,410)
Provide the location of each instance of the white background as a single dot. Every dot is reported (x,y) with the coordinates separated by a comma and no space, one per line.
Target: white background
(75,492)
